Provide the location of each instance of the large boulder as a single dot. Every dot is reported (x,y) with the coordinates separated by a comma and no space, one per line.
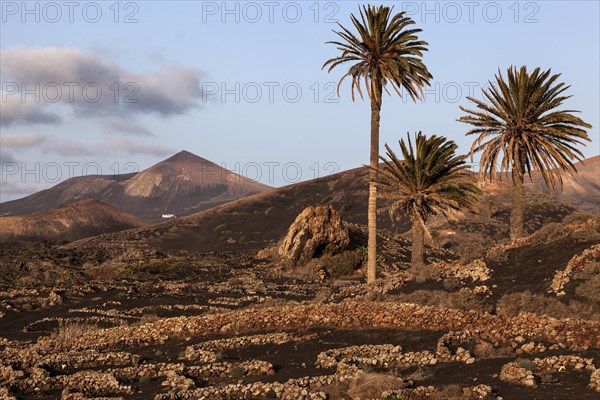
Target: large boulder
(315,232)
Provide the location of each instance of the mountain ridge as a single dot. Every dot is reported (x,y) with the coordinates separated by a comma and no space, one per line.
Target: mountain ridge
(69,222)
(182,184)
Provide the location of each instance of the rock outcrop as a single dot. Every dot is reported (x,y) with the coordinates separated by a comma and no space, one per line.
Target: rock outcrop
(316,231)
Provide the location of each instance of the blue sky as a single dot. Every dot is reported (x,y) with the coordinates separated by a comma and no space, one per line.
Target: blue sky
(181,55)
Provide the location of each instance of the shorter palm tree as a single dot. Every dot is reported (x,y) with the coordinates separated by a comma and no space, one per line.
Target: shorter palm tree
(521,125)
(431,180)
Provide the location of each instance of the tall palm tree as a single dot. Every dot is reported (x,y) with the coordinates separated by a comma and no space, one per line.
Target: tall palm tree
(430,180)
(522,126)
(384,52)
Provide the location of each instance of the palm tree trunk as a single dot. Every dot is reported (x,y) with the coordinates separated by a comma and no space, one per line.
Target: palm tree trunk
(517,214)
(374,162)
(418,245)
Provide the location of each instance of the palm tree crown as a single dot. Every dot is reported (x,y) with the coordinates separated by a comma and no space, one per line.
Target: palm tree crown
(430,180)
(522,126)
(383,52)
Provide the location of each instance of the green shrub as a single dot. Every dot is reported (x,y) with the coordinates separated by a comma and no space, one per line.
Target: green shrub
(343,264)
(345,208)
(364,253)
(244,239)
(155,267)
(179,265)
(539,206)
(223,228)
(237,372)
(393,396)
(270,211)
(125,271)
(326,200)
(526,363)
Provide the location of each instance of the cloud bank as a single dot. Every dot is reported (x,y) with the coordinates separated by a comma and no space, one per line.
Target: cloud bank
(41,85)
(19,142)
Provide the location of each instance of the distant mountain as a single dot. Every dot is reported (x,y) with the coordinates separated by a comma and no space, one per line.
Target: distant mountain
(183,184)
(257,221)
(75,221)
(583,191)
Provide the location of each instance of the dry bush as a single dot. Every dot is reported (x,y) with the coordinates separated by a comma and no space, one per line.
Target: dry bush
(451,284)
(322,296)
(269,252)
(580,217)
(291,269)
(461,300)
(223,228)
(235,281)
(556,230)
(514,303)
(372,385)
(450,392)
(273,302)
(418,375)
(589,271)
(485,350)
(100,273)
(148,319)
(425,273)
(590,289)
(588,234)
(337,390)
(68,330)
(270,211)
(342,264)
(549,233)
(472,250)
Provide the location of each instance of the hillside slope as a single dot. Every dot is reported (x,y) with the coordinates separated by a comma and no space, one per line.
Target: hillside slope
(256,221)
(72,222)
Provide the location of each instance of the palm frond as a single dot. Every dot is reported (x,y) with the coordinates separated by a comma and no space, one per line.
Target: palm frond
(383,50)
(430,179)
(521,127)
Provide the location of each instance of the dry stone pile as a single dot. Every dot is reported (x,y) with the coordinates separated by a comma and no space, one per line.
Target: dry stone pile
(476,270)
(513,373)
(595,380)
(560,363)
(385,355)
(578,262)
(94,383)
(528,373)
(5,394)
(572,334)
(113,350)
